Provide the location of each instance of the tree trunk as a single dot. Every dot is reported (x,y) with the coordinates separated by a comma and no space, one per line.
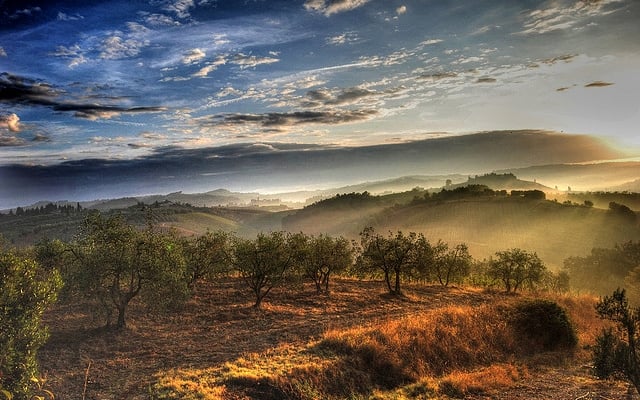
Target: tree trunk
(326,283)
(121,324)
(387,279)
(397,289)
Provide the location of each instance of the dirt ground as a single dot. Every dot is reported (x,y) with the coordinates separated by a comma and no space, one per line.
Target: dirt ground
(82,361)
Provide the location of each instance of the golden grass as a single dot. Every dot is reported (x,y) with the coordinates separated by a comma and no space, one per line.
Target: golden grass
(487,380)
(355,344)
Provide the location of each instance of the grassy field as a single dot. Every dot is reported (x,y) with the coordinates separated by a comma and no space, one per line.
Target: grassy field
(358,343)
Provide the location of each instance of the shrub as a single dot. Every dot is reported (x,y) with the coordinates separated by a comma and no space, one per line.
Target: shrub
(544,324)
(616,353)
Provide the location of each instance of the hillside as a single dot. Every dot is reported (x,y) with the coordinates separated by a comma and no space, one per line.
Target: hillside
(485,220)
(602,176)
(485,223)
(24,230)
(505,181)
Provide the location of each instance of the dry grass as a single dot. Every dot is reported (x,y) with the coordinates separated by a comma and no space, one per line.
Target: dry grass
(358,342)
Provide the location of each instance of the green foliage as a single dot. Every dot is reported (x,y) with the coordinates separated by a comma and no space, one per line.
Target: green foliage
(207,256)
(26,290)
(115,262)
(265,262)
(604,269)
(515,268)
(347,200)
(325,256)
(394,256)
(545,324)
(451,265)
(617,353)
(609,354)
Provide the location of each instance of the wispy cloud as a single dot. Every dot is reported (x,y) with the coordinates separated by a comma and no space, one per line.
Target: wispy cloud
(74,54)
(247,61)
(565,14)
(429,42)
(330,7)
(486,80)
(193,56)
(69,17)
(119,45)
(289,119)
(598,84)
(3,53)
(179,7)
(344,38)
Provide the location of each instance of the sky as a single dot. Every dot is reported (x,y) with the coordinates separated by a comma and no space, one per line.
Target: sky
(134,80)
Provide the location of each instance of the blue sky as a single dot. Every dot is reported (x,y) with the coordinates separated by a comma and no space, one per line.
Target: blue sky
(121,80)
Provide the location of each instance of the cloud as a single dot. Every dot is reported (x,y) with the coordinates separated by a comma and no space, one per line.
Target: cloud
(438,76)
(179,7)
(290,119)
(193,56)
(562,15)
(25,12)
(10,122)
(210,67)
(229,91)
(9,126)
(2,52)
(66,17)
(347,37)
(118,46)
(401,10)
(598,84)
(26,91)
(330,7)
(160,20)
(323,97)
(430,42)
(246,61)
(74,54)
(484,29)
(567,58)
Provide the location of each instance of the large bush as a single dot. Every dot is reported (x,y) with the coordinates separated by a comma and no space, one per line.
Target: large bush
(544,324)
(25,292)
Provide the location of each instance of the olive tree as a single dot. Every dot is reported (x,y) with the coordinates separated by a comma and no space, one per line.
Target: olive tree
(115,262)
(516,267)
(325,256)
(265,262)
(26,290)
(451,265)
(206,256)
(393,256)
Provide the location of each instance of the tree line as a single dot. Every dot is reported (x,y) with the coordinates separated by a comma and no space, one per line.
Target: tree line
(49,208)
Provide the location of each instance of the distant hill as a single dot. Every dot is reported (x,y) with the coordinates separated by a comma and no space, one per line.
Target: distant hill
(606,176)
(485,223)
(506,181)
